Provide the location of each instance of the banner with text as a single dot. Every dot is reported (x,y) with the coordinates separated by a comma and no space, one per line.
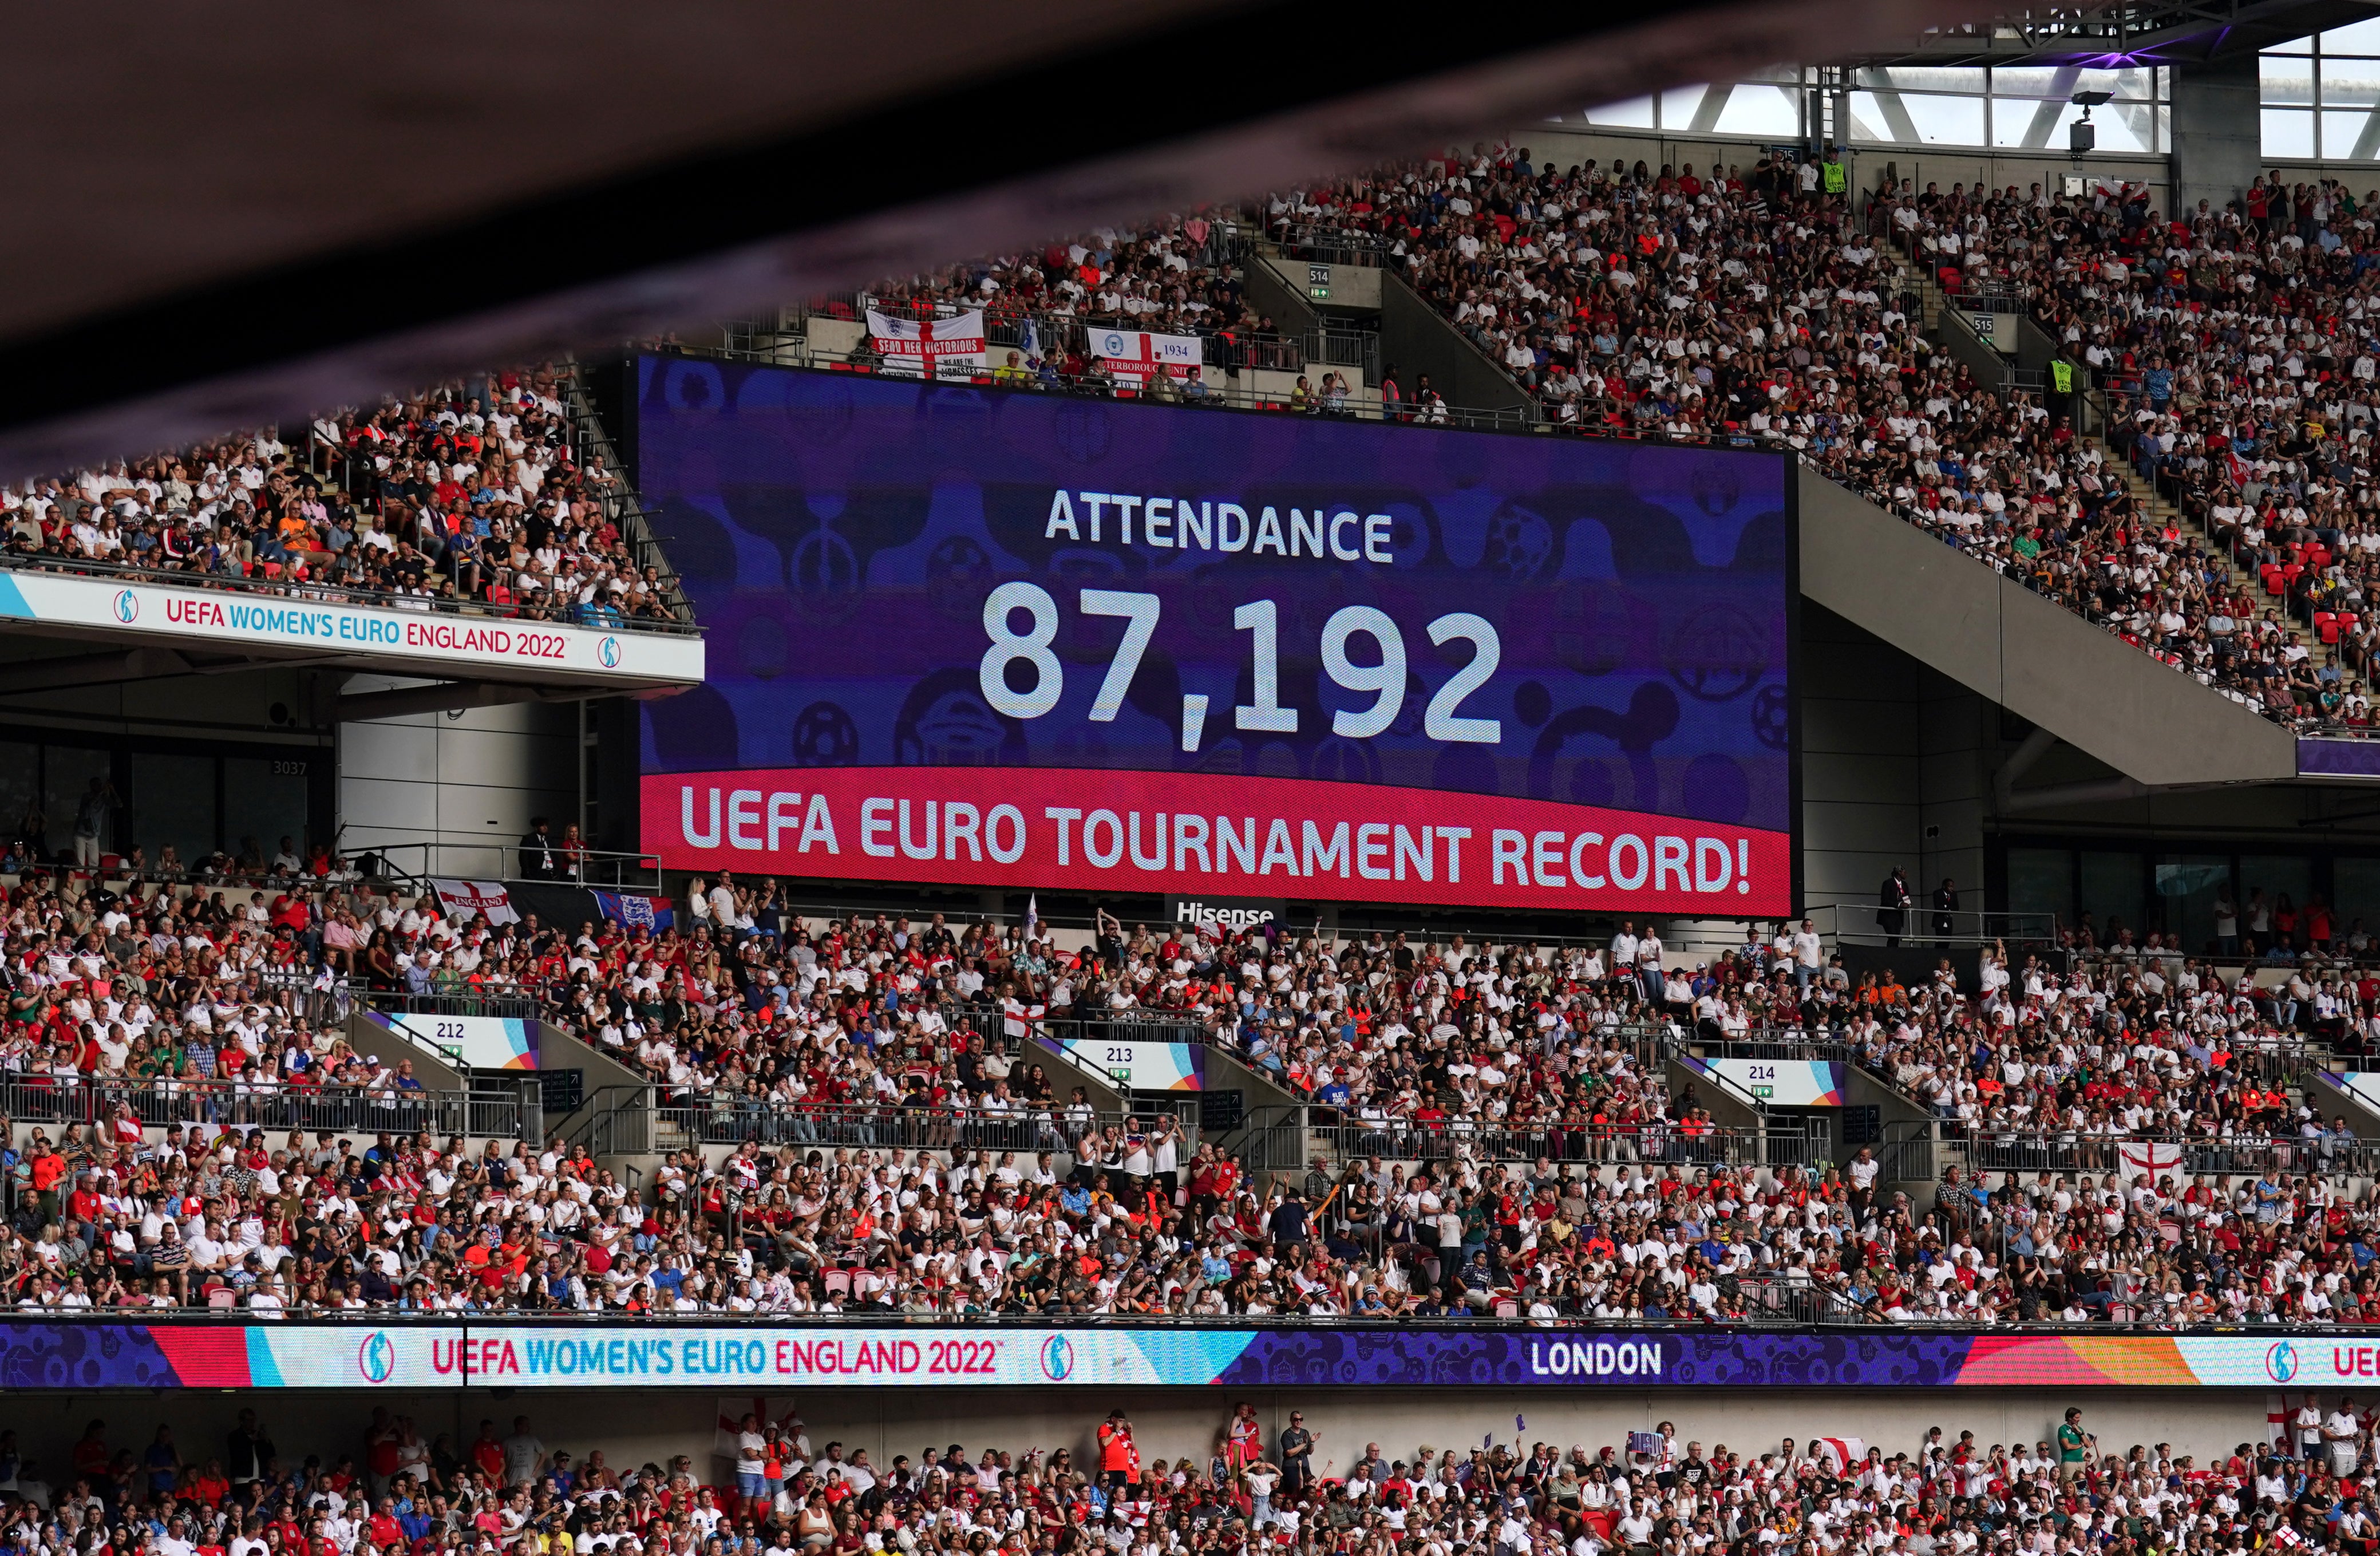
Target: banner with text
(1160,832)
(41,1355)
(1139,353)
(201,617)
(468,899)
(951,347)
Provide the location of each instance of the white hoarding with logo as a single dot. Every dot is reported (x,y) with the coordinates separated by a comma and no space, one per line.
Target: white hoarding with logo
(643,1356)
(429,639)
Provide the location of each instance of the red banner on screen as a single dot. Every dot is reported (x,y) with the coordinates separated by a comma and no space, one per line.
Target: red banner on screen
(1164,832)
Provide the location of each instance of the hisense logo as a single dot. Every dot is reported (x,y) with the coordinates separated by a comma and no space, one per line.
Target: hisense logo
(1233,918)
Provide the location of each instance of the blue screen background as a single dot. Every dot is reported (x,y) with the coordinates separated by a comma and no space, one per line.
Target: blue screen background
(839,534)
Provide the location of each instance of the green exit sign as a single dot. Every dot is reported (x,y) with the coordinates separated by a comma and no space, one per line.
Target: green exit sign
(1763,1092)
(1319,294)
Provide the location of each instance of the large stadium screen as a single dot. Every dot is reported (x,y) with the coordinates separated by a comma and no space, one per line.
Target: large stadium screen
(994,637)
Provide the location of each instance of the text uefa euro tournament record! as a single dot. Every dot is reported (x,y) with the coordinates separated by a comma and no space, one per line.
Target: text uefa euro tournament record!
(1002,638)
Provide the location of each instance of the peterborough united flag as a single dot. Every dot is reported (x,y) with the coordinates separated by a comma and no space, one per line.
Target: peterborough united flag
(1139,353)
(953,346)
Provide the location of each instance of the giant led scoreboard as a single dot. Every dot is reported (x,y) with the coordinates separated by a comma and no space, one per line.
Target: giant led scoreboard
(975,636)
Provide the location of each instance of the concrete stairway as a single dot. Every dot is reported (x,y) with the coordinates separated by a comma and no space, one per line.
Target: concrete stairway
(1933,303)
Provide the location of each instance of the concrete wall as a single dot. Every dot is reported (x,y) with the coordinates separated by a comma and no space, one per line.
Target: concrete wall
(1955,762)
(633,1429)
(1065,1074)
(1730,1108)
(2216,130)
(1274,296)
(1895,767)
(1354,289)
(1960,339)
(1996,637)
(2332,1101)
(1415,338)
(1227,1072)
(557,1049)
(468,783)
(391,1047)
(1863,1089)
(1860,762)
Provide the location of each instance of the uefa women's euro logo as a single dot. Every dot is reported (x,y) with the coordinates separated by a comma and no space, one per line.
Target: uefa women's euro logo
(2281,1362)
(1057,1358)
(376,1358)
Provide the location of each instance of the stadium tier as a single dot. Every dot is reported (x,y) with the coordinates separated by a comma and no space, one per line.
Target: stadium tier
(384,1482)
(1210,860)
(1653,840)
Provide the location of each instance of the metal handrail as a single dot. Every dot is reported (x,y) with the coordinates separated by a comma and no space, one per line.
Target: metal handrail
(621,503)
(163,1102)
(2055,1149)
(1780,1142)
(1832,1320)
(618,1121)
(1220,396)
(1920,926)
(1032,1128)
(1334,245)
(613,868)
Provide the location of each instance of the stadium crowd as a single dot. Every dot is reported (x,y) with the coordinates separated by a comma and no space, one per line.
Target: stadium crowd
(1180,277)
(471,494)
(2239,371)
(1506,1143)
(1767,306)
(1757,306)
(1657,1494)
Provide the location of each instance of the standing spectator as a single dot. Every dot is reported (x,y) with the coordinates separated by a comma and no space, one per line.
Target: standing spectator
(539,856)
(48,1168)
(525,1455)
(1892,903)
(1946,909)
(1118,1459)
(98,804)
(2343,1432)
(249,1454)
(1244,1437)
(1296,1456)
(1809,957)
(2074,1447)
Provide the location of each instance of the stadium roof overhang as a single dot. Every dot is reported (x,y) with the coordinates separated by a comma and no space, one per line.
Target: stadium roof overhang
(2163,33)
(200,237)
